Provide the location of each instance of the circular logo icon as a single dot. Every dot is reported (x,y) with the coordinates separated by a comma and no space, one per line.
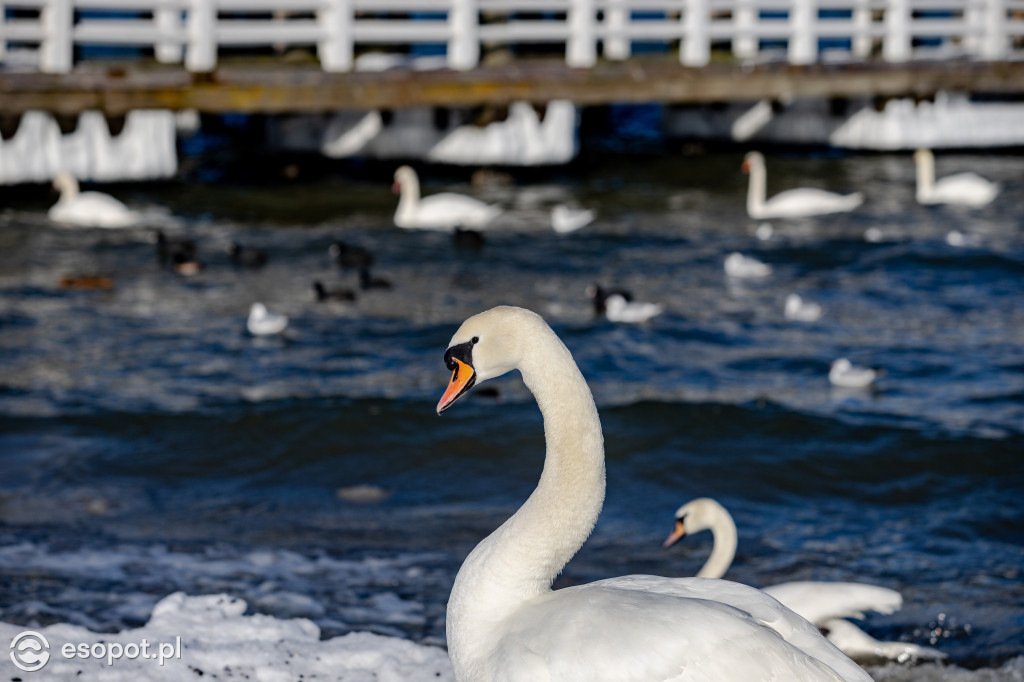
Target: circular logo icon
(30,651)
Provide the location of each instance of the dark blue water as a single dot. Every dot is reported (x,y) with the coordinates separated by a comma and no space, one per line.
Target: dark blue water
(148,444)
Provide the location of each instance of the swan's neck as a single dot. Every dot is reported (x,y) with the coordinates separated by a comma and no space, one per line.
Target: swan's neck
(756,189)
(925,177)
(723,530)
(409,197)
(68,188)
(519,561)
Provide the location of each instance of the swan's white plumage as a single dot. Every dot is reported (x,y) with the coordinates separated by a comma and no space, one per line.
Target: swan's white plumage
(966,189)
(825,604)
(504,621)
(444,211)
(793,203)
(88,209)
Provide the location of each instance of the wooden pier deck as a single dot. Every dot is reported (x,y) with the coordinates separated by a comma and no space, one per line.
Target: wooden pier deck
(273,87)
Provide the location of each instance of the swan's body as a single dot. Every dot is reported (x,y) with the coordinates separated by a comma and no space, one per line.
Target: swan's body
(799,310)
(444,211)
(965,189)
(262,322)
(825,604)
(845,374)
(504,621)
(565,219)
(745,267)
(618,309)
(793,203)
(88,209)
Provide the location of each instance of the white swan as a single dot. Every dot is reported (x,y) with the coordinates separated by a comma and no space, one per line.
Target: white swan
(444,211)
(565,220)
(793,203)
(799,310)
(504,621)
(88,209)
(262,322)
(966,189)
(845,374)
(825,604)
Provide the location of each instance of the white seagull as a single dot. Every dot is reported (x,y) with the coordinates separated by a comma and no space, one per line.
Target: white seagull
(618,309)
(565,220)
(799,310)
(262,322)
(844,374)
(745,267)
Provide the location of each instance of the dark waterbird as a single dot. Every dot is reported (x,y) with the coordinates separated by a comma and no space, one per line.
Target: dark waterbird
(325,294)
(246,256)
(368,281)
(348,256)
(600,296)
(171,251)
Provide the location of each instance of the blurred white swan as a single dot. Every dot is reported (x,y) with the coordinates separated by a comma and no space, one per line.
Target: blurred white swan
(799,310)
(845,374)
(745,267)
(88,209)
(262,322)
(444,211)
(565,219)
(505,623)
(825,604)
(965,189)
(793,203)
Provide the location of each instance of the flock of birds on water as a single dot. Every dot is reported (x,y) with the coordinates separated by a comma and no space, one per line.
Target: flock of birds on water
(467,217)
(503,620)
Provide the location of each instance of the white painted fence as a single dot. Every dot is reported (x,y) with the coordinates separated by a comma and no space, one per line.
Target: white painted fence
(44,34)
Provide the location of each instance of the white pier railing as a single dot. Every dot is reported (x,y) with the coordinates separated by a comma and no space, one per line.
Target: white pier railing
(52,35)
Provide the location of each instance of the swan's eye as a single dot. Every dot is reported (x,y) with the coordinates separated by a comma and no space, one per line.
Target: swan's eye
(476,340)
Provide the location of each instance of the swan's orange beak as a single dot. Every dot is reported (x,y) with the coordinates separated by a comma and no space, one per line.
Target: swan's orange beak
(746,166)
(463,378)
(676,534)
(396,187)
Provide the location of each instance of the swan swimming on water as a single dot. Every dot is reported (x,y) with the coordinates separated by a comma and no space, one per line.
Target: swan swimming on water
(826,604)
(88,209)
(444,211)
(505,623)
(966,189)
(793,203)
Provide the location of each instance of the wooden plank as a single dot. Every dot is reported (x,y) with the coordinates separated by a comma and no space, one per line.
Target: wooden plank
(278,89)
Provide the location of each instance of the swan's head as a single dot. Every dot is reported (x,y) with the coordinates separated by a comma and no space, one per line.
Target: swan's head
(404,175)
(487,345)
(923,155)
(695,516)
(752,160)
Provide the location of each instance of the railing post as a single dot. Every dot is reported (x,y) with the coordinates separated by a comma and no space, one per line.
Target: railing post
(55,53)
(201,53)
(744,21)
(616,21)
(993,38)
(803,38)
(696,36)
(336,48)
(581,47)
(3,41)
(896,47)
(860,43)
(464,42)
(167,17)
